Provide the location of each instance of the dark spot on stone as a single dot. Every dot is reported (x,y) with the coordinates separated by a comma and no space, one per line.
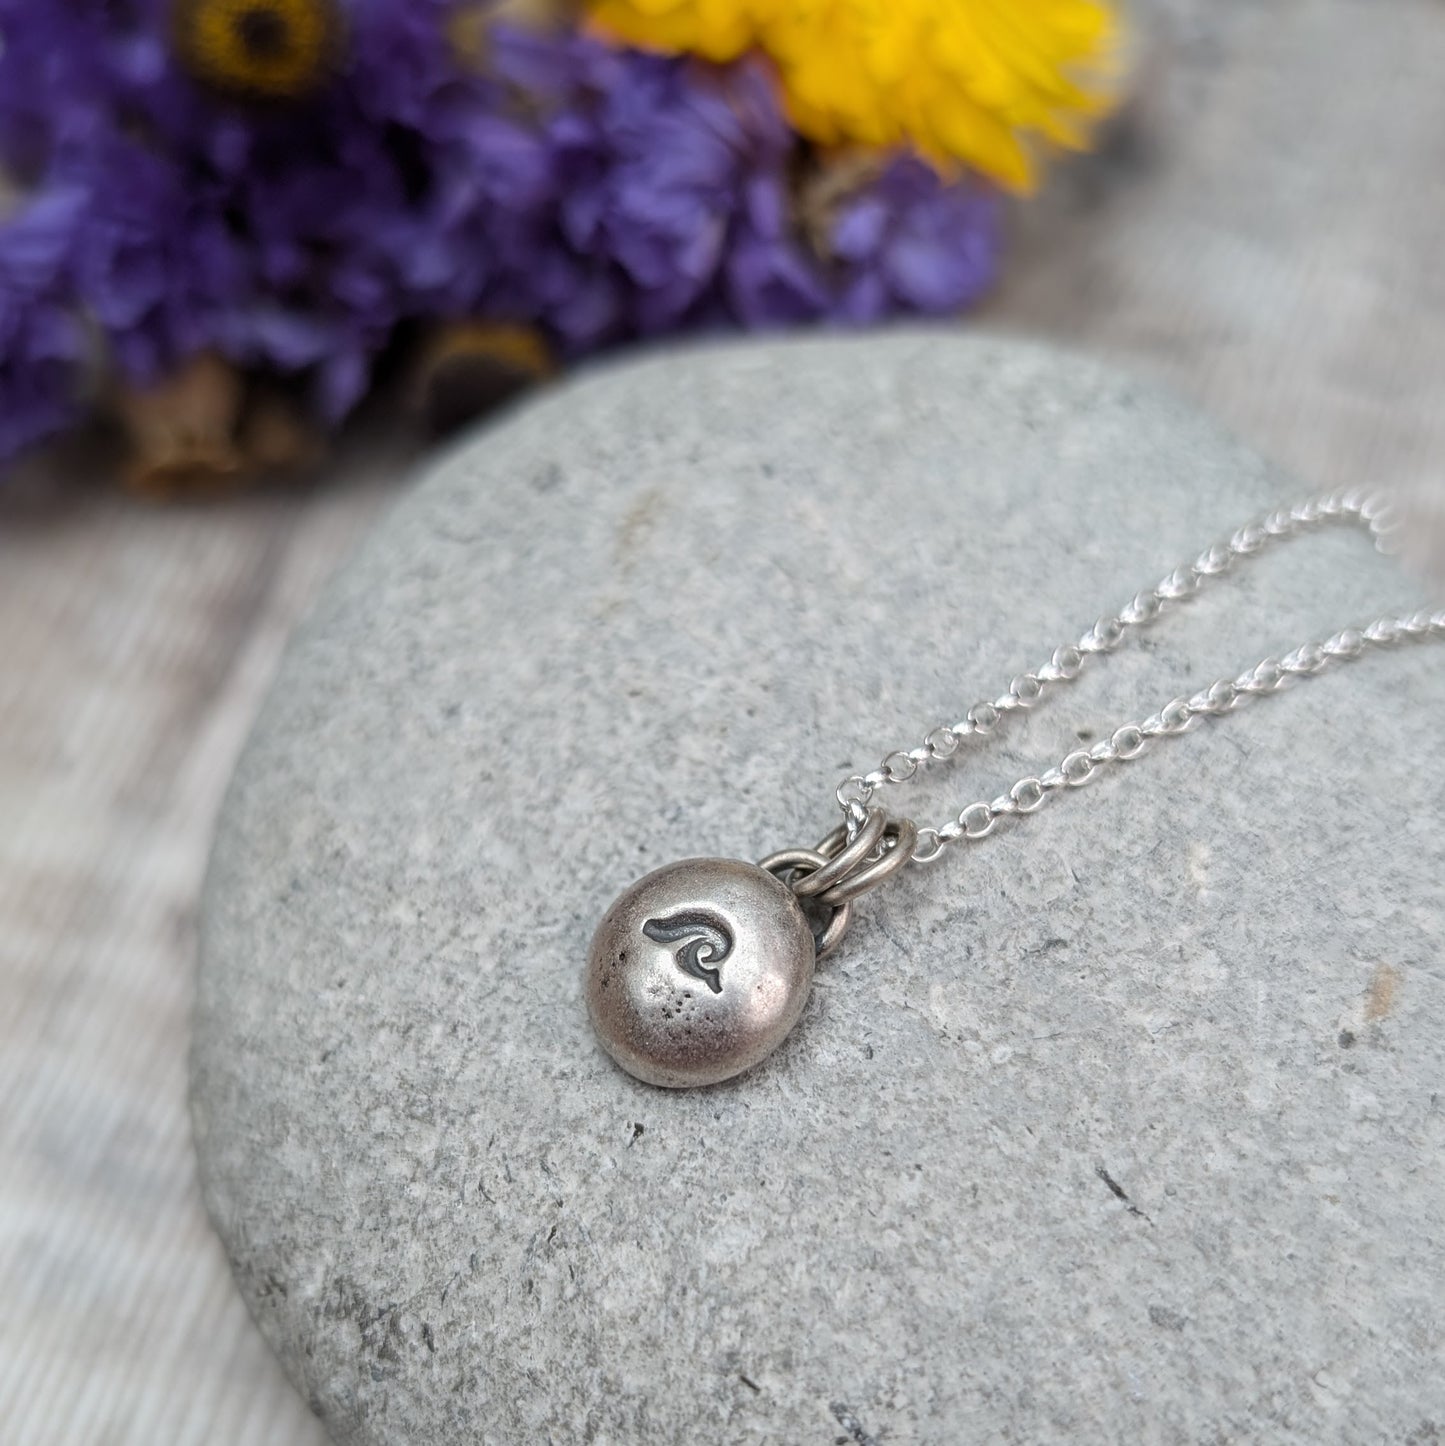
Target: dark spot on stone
(857,1434)
(1115,1188)
(1120,1193)
(1166,1319)
(1347,1039)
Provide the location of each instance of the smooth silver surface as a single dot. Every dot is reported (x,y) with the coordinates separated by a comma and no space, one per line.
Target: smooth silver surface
(698,971)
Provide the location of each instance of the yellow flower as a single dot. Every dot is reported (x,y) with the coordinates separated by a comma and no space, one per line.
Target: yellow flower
(983,82)
(273,48)
(716,29)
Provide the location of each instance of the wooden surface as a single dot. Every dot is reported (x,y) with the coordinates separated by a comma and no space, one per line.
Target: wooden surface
(1264,237)
(137,646)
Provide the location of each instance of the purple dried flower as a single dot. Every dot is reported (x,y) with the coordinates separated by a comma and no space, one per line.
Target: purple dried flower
(653,159)
(911,242)
(599,194)
(153,262)
(41,343)
(673,187)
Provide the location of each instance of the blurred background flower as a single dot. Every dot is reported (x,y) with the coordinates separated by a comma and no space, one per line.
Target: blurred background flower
(41,342)
(332,192)
(974,81)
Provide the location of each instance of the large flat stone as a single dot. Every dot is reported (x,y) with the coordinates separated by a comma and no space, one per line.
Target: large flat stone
(1126,1124)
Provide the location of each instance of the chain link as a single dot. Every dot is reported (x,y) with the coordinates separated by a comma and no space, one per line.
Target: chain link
(1179,716)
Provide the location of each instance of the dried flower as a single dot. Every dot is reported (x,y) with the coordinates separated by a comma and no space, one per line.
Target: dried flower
(464,369)
(42,346)
(908,242)
(274,48)
(976,81)
(673,186)
(183,431)
(548,181)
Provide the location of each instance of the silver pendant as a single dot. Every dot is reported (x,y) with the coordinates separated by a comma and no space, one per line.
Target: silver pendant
(698,971)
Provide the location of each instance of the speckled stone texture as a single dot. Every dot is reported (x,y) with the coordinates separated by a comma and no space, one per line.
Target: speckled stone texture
(1125,1126)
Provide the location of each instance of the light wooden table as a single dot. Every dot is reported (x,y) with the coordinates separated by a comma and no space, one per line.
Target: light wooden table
(1268,243)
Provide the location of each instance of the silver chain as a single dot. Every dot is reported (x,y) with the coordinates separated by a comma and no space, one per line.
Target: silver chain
(1179,716)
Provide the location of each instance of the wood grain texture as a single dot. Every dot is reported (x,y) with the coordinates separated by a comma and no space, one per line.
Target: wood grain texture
(1263,236)
(137,646)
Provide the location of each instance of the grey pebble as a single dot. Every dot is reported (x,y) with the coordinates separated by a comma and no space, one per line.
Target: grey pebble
(1125,1125)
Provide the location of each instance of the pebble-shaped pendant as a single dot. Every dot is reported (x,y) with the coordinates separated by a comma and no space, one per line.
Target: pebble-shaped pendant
(698,971)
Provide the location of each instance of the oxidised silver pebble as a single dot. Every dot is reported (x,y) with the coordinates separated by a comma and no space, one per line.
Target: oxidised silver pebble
(698,971)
